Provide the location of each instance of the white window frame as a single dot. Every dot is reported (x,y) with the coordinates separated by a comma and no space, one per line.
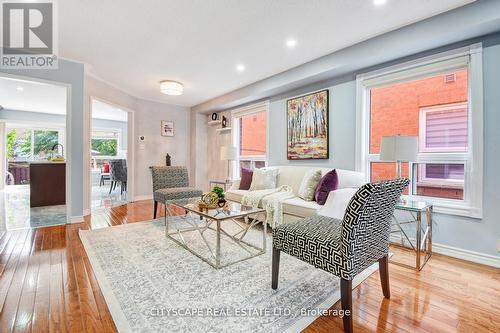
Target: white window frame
(469,57)
(236,114)
(423,127)
(61,134)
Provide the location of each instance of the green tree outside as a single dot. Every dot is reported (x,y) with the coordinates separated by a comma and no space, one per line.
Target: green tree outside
(105,147)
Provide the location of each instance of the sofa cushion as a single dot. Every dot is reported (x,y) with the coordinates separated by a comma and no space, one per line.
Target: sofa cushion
(327,184)
(246,179)
(235,195)
(308,185)
(264,179)
(337,202)
(299,207)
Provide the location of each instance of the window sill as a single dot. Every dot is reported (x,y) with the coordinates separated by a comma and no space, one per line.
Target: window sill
(450,208)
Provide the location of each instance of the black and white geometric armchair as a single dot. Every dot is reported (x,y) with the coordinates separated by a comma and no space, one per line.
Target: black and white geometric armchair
(345,247)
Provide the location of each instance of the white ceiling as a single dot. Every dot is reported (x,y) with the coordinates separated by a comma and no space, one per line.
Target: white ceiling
(32,96)
(106,111)
(199,42)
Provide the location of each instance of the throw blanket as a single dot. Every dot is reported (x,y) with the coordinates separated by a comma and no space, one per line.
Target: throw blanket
(271,200)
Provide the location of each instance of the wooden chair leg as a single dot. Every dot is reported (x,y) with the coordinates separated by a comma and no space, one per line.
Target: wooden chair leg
(275,268)
(383,267)
(155,209)
(346,303)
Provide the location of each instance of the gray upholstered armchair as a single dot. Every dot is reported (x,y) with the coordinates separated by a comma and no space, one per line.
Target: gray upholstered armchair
(345,248)
(171,183)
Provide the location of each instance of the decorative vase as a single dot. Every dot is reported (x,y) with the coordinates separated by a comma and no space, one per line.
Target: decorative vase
(215,116)
(222,202)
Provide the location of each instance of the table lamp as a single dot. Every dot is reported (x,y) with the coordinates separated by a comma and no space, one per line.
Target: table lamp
(398,149)
(228,153)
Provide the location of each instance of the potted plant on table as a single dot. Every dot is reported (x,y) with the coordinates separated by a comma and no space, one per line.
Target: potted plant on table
(220,193)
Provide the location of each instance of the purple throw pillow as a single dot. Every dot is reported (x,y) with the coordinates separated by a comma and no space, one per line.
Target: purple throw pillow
(328,183)
(246,179)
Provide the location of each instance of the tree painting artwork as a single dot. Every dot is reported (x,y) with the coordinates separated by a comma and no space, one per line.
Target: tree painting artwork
(307,118)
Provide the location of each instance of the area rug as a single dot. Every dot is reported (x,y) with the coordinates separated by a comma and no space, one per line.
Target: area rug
(151,284)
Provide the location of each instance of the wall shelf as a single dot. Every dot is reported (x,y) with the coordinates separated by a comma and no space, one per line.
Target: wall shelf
(214,122)
(223,130)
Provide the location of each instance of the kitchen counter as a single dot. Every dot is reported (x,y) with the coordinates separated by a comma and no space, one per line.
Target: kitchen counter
(47,183)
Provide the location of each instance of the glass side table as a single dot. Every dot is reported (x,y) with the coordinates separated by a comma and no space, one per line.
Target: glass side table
(421,243)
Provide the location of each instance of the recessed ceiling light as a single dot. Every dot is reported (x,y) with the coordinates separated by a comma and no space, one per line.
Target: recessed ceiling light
(169,87)
(291,43)
(240,68)
(19,88)
(379,2)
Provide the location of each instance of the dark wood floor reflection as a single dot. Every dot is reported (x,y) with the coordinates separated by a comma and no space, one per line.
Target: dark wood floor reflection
(47,285)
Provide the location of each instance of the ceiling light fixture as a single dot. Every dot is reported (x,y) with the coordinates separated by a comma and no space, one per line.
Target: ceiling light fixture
(19,88)
(379,2)
(240,68)
(169,87)
(291,43)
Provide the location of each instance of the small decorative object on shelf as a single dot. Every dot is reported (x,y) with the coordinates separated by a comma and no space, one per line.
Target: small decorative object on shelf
(168,160)
(215,116)
(224,122)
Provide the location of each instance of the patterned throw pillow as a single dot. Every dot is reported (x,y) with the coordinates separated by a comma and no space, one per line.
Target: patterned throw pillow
(246,178)
(328,183)
(264,179)
(307,188)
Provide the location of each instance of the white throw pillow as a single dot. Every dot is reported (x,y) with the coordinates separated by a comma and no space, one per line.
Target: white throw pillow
(337,202)
(264,179)
(308,185)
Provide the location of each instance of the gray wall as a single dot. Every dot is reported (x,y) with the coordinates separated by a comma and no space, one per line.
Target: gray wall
(480,235)
(73,74)
(148,116)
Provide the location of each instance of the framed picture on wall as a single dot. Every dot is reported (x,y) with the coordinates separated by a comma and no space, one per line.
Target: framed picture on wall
(307,126)
(167,128)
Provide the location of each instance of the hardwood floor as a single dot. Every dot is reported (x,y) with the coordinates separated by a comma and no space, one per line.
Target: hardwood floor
(47,285)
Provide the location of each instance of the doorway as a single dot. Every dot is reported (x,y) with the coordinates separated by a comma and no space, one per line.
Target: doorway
(110,167)
(33,187)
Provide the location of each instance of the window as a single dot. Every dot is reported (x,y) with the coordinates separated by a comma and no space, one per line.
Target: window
(439,100)
(27,144)
(443,128)
(250,136)
(105,143)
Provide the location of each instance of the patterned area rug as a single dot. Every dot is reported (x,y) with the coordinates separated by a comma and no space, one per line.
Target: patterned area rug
(151,284)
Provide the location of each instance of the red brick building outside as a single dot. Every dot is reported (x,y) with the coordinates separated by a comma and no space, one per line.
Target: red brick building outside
(253,135)
(396,110)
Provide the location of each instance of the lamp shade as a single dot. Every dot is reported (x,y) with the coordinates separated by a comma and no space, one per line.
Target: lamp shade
(398,148)
(228,153)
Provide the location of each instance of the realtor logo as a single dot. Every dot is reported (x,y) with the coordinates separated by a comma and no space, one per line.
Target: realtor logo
(28,32)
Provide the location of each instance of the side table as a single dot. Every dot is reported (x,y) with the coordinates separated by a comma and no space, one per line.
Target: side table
(421,244)
(224,183)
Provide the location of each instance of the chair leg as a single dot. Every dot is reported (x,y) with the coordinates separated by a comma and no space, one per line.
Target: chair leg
(155,209)
(383,267)
(275,268)
(111,187)
(346,303)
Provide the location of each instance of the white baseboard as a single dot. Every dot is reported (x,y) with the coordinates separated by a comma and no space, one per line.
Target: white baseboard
(143,197)
(455,252)
(76,219)
(477,257)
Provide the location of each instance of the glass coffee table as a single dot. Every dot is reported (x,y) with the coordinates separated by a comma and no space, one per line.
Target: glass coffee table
(217,229)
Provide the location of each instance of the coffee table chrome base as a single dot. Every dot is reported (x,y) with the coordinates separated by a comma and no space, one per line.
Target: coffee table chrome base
(204,224)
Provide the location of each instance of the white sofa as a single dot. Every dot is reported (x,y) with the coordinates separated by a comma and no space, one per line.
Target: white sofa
(296,207)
